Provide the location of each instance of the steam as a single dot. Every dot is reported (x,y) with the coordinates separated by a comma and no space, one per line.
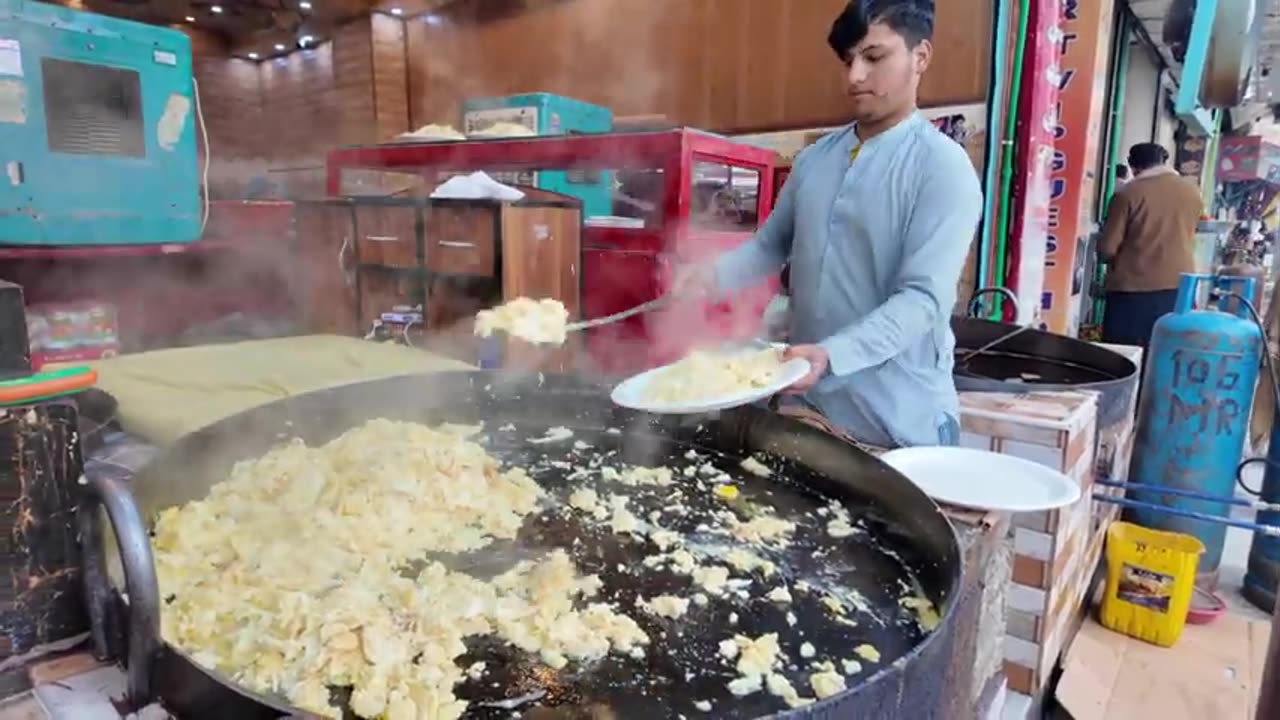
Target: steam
(454,53)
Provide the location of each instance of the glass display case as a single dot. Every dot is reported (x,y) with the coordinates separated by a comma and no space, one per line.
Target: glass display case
(678,196)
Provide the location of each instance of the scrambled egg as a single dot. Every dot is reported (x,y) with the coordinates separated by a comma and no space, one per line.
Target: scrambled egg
(755,467)
(926,614)
(757,661)
(291,577)
(763,529)
(867,652)
(826,682)
(541,322)
(706,375)
(434,132)
(504,129)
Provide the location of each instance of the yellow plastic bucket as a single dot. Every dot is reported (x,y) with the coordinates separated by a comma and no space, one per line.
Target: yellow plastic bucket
(1151,576)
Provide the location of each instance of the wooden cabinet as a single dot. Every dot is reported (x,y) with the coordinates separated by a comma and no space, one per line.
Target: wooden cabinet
(388,235)
(446,259)
(326,277)
(462,238)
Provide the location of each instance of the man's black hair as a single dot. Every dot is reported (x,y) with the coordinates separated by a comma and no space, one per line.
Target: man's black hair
(912,19)
(1147,155)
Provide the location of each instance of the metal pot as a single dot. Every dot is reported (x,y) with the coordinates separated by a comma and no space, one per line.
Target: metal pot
(1017,360)
(814,468)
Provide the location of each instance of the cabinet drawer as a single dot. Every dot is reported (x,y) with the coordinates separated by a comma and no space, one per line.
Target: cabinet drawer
(461,240)
(387,235)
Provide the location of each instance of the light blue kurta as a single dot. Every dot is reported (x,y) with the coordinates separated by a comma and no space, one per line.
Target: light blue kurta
(876,249)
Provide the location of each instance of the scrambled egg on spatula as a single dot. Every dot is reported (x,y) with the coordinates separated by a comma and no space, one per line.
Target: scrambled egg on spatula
(541,322)
(289,576)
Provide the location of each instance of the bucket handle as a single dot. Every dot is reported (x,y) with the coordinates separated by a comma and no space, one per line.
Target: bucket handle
(130,536)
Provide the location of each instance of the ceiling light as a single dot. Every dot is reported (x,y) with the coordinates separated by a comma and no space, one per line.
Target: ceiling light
(304,5)
(432,19)
(216,9)
(279,47)
(190,19)
(253,56)
(305,40)
(397,11)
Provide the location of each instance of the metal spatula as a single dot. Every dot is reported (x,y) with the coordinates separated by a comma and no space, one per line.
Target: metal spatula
(655,304)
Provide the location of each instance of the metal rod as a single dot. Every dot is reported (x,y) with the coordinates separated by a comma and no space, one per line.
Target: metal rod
(1270,530)
(1269,690)
(1021,329)
(1158,490)
(655,304)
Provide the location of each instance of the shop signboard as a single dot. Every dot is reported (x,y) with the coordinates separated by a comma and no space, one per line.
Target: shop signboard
(1085,28)
(1248,158)
(1037,110)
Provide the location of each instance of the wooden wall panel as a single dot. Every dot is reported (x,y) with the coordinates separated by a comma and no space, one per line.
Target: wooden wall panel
(728,65)
(277,118)
(762,75)
(390,76)
(962,41)
(353,79)
(723,53)
(817,89)
(721,64)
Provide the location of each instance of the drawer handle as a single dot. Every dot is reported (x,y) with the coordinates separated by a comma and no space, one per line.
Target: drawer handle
(456,244)
(382,238)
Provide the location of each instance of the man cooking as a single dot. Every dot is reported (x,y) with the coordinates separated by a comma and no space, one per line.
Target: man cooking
(876,221)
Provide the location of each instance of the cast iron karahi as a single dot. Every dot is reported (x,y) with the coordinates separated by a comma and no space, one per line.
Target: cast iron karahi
(905,542)
(1039,360)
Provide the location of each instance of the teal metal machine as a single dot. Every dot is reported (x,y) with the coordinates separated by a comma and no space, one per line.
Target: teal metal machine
(547,114)
(97,130)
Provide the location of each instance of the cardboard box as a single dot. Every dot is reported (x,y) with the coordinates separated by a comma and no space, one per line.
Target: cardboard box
(1215,671)
(1054,552)
(69,332)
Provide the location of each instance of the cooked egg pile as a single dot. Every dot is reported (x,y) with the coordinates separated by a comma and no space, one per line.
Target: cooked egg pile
(504,129)
(542,322)
(433,132)
(289,577)
(707,375)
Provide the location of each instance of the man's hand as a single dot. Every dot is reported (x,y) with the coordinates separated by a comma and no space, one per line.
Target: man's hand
(694,281)
(819,361)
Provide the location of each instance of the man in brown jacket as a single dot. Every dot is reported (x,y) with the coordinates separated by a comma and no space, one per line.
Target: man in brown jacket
(1148,241)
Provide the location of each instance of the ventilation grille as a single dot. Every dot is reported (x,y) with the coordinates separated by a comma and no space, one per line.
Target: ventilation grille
(92,109)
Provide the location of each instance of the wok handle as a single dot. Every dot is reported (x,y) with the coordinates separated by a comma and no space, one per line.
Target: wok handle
(130,536)
(975,305)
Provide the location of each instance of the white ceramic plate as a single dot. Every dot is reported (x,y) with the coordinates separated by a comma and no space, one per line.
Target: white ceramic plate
(631,392)
(983,480)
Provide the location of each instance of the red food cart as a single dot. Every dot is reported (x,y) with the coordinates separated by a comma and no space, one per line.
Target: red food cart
(678,196)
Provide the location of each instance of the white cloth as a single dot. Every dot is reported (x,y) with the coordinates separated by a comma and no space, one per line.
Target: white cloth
(476,186)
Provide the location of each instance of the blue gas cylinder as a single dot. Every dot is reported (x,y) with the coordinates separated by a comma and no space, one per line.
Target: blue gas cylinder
(1193,415)
(1263,575)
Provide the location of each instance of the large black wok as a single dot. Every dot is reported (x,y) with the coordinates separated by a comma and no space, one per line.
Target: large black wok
(1000,357)
(1039,360)
(908,541)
